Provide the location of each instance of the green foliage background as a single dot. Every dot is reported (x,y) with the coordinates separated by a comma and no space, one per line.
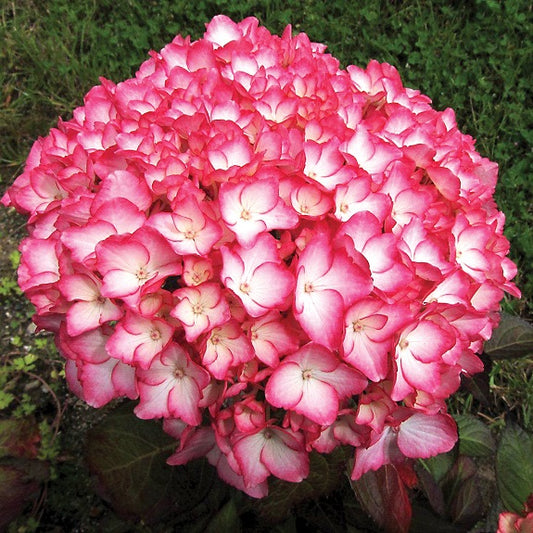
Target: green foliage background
(475,56)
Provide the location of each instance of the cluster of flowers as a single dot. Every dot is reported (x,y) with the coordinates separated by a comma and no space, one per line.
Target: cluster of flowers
(272,254)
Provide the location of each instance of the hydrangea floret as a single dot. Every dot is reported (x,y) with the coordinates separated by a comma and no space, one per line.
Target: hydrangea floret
(272,254)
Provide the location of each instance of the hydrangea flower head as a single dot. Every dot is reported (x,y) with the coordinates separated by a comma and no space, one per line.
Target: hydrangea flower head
(270,253)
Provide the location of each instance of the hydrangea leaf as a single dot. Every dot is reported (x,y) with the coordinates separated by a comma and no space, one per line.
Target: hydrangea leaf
(424,520)
(20,482)
(384,496)
(512,338)
(128,457)
(439,465)
(431,489)
(226,519)
(466,508)
(514,467)
(18,438)
(475,439)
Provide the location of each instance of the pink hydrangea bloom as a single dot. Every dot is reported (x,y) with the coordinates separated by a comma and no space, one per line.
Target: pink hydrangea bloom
(272,254)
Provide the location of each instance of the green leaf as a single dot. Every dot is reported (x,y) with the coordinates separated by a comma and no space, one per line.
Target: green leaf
(129,455)
(227,519)
(439,465)
(512,338)
(5,399)
(514,467)
(475,438)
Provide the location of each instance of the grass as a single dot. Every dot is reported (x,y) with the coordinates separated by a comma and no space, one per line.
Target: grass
(475,57)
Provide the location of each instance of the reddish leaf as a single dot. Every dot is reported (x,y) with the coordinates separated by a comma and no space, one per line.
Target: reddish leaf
(384,496)
(466,508)
(18,438)
(431,489)
(463,470)
(20,482)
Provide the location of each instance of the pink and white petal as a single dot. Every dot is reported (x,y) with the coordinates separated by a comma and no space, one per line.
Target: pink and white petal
(248,230)
(271,338)
(122,345)
(183,401)
(264,251)
(394,279)
(314,356)
(372,153)
(344,277)
(119,284)
(321,316)
(264,278)
(369,357)
(401,388)
(78,287)
(147,349)
(230,204)
(210,234)
(316,259)
(123,378)
(319,402)
(247,451)
(423,376)
(110,311)
(98,388)
(82,242)
(260,196)
(345,380)
(153,401)
(88,347)
(122,214)
(218,362)
(280,217)
(382,452)
(422,436)
(283,461)
(235,479)
(82,317)
(232,269)
(197,444)
(117,254)
(427,342)
(285,386)
(73,381)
